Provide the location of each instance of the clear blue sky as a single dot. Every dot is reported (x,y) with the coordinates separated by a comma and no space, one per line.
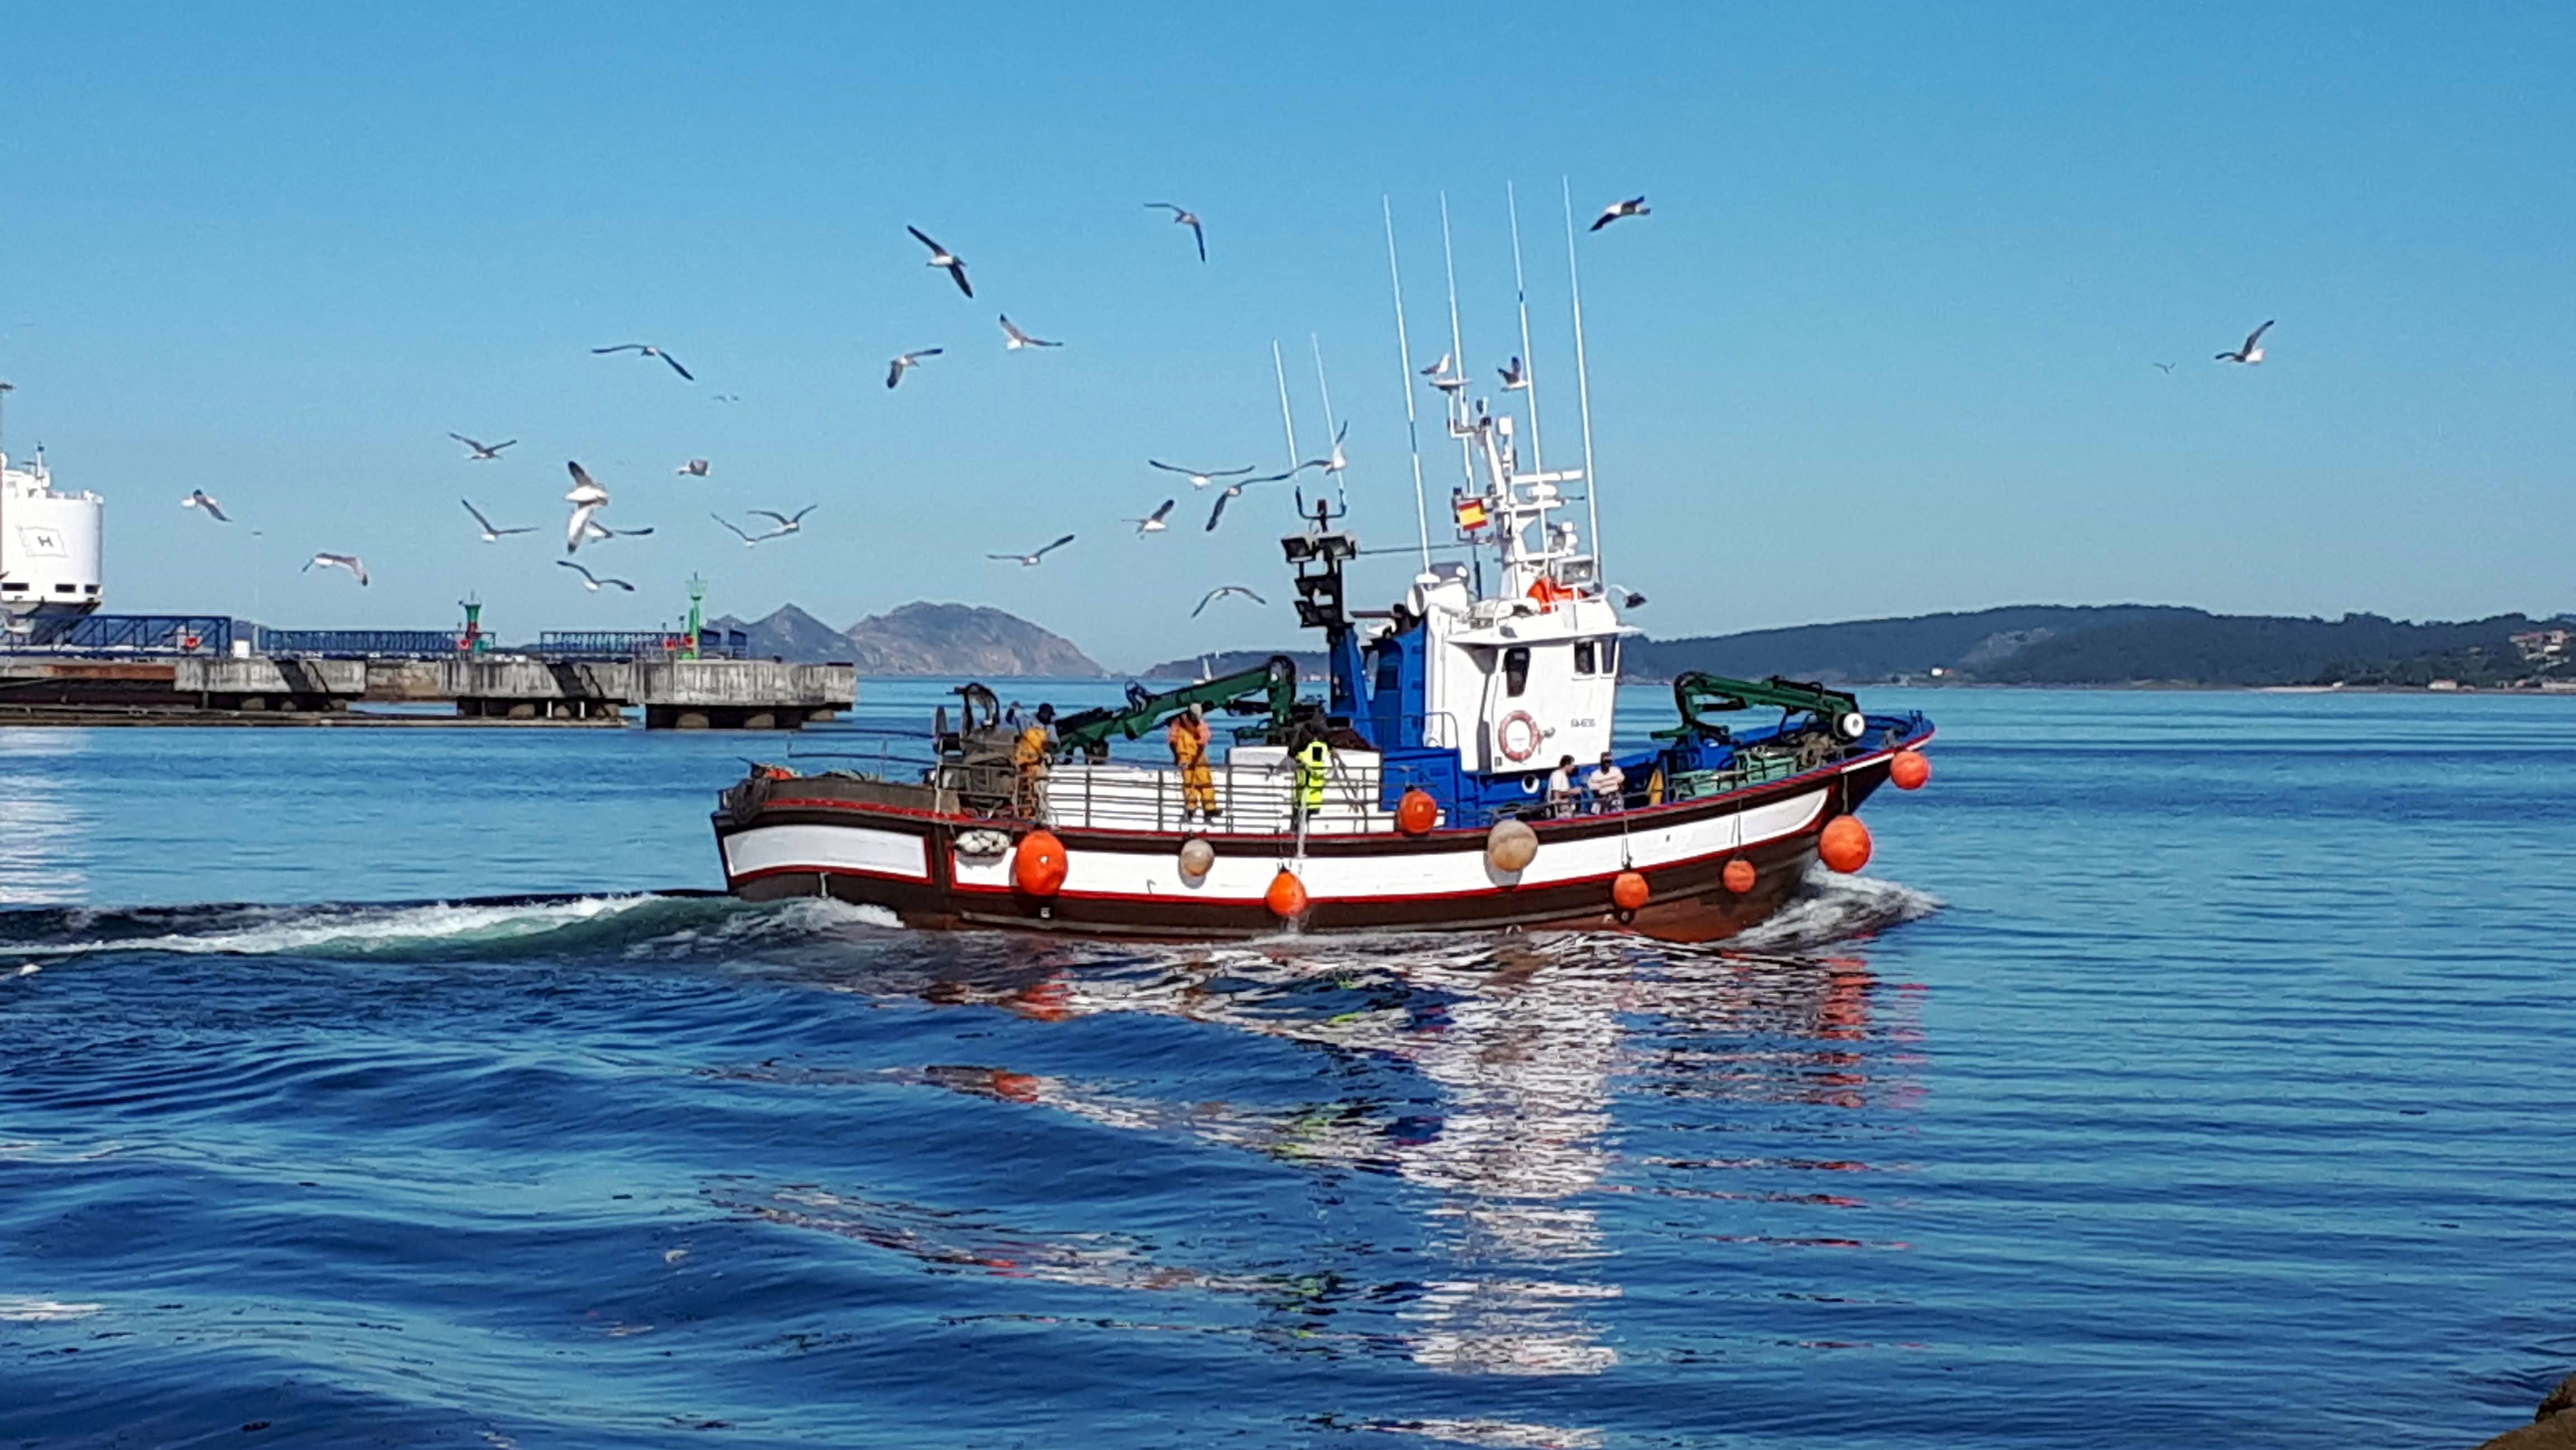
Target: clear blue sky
(1885,345)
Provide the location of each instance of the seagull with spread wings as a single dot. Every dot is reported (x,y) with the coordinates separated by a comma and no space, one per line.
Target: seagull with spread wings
(483,452)
(1221,591)
(357,567)
(1633,206)
(1154,523)
(587,499)
(1235,490)
(2252,350)
(597,530)
(197,499)
(1185,217)
(591,581)
(786,524)
(1031,561)
(1200,478)
(694,468)
(942,257)
(646,349)
(491,535)
(1013,339)
(1515,377)
(905,362)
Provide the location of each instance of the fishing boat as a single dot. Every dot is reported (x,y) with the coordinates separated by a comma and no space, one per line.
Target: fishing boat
(1452,773)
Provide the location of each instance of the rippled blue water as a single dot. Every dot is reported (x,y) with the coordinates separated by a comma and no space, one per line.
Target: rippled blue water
(2188,1070)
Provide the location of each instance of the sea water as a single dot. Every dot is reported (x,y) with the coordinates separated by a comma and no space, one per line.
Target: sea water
(2186,1070)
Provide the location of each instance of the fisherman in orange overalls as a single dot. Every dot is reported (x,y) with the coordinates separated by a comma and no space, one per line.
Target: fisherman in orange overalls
(1189,736)
(1030,755)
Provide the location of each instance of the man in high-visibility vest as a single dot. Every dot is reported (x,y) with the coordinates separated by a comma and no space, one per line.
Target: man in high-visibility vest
(1314,767)
(1189,736)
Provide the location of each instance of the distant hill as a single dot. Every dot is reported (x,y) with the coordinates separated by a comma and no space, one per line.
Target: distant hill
(1862,650)
(2097,645)
(919,639)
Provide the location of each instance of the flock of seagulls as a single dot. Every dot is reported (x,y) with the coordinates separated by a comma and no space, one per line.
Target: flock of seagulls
(589,498)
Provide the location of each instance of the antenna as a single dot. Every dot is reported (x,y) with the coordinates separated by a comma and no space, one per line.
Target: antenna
(1582,382)
(1330,426)
(1529,363)
(1286,418)
(1458,350)
(1404,362)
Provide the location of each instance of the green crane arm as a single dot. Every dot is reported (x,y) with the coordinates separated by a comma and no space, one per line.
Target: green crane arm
(1089,731)
(1695,693)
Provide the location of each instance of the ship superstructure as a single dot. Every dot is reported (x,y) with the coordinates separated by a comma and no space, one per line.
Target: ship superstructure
(49,543)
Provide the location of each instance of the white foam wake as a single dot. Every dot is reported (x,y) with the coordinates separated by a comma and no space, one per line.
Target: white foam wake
(1831,907)
(364,929)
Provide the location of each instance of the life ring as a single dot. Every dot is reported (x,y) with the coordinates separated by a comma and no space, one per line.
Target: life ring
(1503,736)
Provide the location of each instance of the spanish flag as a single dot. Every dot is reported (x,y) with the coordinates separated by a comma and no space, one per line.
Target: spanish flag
(1470,512)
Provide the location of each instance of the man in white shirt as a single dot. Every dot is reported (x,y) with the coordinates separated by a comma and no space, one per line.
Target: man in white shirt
(1560,788)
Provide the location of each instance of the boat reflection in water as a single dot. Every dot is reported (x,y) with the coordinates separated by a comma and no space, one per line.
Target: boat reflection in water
(1542,1084)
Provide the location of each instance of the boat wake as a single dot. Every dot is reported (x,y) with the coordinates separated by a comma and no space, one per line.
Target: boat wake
(682,926)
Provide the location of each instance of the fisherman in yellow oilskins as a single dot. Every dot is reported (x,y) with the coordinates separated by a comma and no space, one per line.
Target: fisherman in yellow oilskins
(1029,755)
(1189,736)
(1314,767)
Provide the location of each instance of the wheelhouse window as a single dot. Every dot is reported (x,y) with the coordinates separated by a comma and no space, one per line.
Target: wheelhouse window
(1609,656)
(1516,669)
(1584,658)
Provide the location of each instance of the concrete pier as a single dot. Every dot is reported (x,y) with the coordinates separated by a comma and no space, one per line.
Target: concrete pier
(675,694)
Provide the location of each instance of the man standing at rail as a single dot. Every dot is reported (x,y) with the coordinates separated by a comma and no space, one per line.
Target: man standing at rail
(1189,736)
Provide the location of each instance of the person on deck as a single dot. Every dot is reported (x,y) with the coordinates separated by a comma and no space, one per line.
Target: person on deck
(1608,786)
(1314,767)
(1560,788)
(1189,736)
(1035,747)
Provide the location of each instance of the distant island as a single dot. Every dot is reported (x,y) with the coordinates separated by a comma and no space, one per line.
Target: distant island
(2031,644)
(919,639)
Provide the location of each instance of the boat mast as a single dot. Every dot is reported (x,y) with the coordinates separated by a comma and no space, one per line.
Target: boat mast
(1331,429)
(1583,387)
(1404,365)
(1457,350)
(1529,359)
(1287,419)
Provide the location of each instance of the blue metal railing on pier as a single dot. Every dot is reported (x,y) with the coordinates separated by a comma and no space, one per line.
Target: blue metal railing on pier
(154,633)
(629,644)
(356,643)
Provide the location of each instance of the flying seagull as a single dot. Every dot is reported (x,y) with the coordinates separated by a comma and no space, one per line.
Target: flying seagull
(1514,376)
(2252,351)
(942,257)
(1013,339)
(1030,561)
(1235,490)
(491,535)
(1186,218)
(786,525)
(784,528)
(1337,462)
(1436,369)
(587,498)
(1222,590)
(647,349)
(483,452)
(1199,478)
(197,499)
(905,361)
(1633,206)
(2167,367)
(592,581)
(350,562)
(1153,523)
(694,468)
(594,529)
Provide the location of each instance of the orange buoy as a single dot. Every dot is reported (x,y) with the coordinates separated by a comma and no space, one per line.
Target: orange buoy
(1739,876)
(1628,891)
(1286,897)
(1845,844)
(1416,812)
(1038,866)
(1909,769)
